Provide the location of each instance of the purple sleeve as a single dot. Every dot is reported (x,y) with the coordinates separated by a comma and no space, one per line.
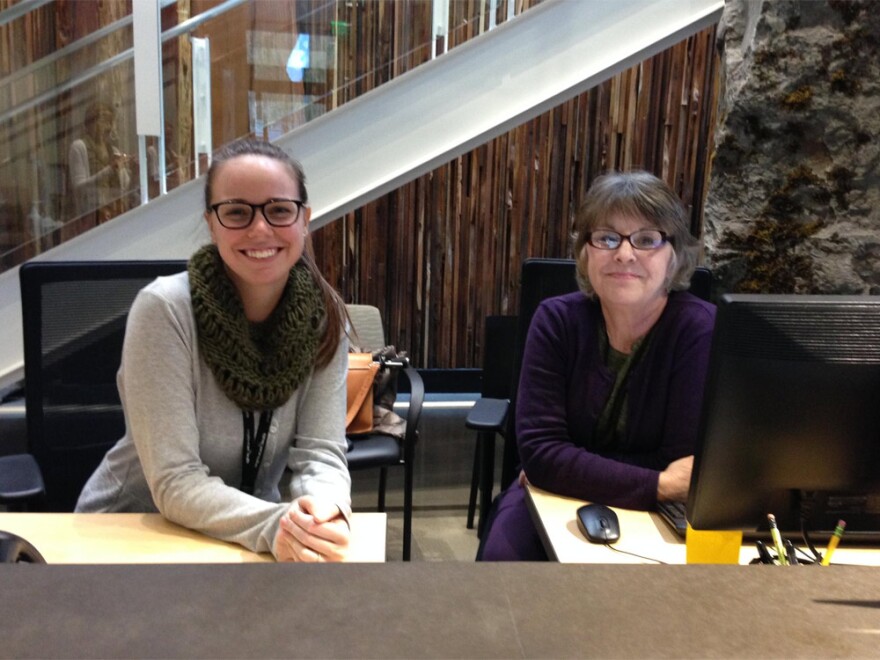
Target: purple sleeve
(563,387)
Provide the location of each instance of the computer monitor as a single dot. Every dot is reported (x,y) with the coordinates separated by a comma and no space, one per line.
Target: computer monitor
(791,416)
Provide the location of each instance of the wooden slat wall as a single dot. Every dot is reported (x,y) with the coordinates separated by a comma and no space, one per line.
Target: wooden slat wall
(444,251)
(441,253)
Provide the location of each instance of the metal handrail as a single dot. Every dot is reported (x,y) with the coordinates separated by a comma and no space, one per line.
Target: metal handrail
(70,48)
(195,21)
(98,69)
(20,9)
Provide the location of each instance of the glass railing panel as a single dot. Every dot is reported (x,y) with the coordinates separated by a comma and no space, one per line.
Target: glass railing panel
(69,150)
(66,116)
(353,47)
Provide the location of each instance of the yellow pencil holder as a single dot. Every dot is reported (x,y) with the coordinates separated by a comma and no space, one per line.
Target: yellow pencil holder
(713,547)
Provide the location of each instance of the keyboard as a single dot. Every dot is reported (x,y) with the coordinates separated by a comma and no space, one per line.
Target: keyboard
(674,513)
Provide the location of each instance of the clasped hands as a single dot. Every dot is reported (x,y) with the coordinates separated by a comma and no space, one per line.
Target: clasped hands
(312,531)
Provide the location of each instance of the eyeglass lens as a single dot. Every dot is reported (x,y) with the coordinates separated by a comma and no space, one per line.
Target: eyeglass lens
(644,239)
(238,215)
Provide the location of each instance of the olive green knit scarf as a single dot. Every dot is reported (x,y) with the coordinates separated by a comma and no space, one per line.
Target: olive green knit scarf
(258,366)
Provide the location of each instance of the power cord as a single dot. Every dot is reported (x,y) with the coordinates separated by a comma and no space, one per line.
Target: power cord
(807,501)
(632,554)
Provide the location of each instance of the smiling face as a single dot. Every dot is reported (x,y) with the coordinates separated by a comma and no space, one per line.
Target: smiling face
(259,257)
(626,276)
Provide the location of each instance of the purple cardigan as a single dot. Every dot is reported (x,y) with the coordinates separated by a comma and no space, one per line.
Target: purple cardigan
(564,385)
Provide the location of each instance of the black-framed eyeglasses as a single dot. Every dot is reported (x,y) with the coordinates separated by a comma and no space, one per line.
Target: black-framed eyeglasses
(239,215)
(644,239)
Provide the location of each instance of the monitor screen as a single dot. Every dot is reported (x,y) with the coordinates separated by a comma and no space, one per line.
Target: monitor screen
(791,416)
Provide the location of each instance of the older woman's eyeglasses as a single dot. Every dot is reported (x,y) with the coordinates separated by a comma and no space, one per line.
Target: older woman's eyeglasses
(644,239)
(239,215)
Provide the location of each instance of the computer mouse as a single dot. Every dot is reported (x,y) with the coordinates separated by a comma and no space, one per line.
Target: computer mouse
(598,523)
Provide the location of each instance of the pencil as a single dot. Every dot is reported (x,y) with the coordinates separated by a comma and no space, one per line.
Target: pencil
(777,539)
(832,543)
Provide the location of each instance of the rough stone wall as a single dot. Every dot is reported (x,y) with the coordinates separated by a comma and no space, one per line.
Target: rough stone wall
(794,199)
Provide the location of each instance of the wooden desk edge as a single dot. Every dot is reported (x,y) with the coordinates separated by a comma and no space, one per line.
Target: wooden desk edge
(545,508)
(122,538)
(538,521)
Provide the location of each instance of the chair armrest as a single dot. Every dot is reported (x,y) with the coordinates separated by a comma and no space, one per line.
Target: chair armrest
(488,415)
(416,399)
(20,478)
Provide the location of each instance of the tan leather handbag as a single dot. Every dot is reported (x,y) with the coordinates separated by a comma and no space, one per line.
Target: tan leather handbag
(362,371)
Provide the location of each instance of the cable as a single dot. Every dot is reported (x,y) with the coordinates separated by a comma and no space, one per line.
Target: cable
(633,554)
(807,500)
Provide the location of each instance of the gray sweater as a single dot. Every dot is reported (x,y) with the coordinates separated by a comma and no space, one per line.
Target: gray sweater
(181,452)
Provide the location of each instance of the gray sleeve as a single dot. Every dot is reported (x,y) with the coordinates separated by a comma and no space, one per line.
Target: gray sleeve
(317,454)
(159,379)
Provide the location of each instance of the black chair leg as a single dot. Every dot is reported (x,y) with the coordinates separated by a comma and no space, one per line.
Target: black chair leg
(383,482)
(486,441)
(475,484)
(407,510)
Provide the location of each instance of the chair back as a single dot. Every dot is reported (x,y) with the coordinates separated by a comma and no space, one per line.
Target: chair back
(367,332)
(499,345)
(74,316)
(702,284)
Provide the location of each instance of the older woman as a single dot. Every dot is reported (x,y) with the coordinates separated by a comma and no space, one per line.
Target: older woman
(612,376)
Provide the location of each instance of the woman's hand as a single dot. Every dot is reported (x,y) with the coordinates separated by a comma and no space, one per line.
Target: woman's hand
(312,531)
(675,480)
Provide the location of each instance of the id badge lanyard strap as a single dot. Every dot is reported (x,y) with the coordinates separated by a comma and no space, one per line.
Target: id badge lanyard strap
(254,445)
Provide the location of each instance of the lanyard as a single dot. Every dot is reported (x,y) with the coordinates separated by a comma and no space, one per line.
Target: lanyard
(254,445)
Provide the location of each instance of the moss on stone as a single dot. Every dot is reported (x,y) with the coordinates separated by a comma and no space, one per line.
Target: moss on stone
(801,183)
(770,248)
(769,256)
(799,98)
(801,176)
(842,83)
(782,205)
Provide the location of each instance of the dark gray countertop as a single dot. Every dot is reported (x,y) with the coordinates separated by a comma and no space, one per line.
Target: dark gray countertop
(438,610)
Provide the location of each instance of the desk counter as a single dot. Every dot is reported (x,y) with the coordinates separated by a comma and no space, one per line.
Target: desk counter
(135,538)
(644,537)
(437,610)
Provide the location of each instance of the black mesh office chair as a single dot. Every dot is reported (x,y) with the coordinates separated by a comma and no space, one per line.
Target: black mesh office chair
(540,278)
(73,317)
(377,450)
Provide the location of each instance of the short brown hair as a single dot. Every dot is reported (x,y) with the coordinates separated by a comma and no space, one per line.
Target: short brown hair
(641,195)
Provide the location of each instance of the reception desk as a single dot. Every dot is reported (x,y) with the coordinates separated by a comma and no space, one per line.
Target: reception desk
(437,610)
(137,538)
(644,537)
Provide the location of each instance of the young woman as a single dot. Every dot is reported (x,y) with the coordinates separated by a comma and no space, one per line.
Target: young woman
(235,370)
(612,376)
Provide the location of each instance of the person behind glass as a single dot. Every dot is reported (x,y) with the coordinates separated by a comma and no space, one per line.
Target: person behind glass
(98,170)
(612,376)
(235,370)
